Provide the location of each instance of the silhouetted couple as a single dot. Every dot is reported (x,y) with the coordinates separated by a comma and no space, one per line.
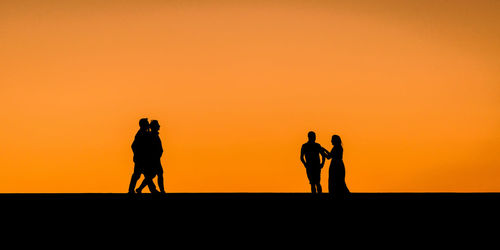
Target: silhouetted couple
(147,150)
(310,155)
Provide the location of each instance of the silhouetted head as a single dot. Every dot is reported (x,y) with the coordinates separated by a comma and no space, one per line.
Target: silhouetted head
(144,123)
(154,125)
(336,141)
(312,136)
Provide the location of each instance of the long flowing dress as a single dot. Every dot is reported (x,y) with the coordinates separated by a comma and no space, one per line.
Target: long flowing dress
(336,179)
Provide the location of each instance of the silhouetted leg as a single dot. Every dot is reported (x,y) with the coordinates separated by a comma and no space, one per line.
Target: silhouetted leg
(148,181)
(330,186)
(160,183)
(142,186)
(313,188)
(133,181)
(320,190)
(151,186)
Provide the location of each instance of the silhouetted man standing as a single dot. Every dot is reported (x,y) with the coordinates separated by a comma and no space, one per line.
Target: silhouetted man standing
(141,147)
(309,155)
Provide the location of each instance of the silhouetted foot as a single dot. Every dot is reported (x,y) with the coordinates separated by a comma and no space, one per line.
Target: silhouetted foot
(138,191)
(131,192)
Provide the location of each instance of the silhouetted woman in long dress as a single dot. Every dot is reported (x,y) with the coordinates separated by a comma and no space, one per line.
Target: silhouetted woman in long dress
(336,176)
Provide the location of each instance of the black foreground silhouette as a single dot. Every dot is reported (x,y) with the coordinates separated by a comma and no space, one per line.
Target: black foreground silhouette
(147,149)
(228,219)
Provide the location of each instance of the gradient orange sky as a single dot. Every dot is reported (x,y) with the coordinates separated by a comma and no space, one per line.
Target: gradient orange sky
(412,87)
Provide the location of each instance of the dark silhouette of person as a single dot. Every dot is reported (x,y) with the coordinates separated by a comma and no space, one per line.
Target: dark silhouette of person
(336,174)
(140,147)
(310,156)
(154,167)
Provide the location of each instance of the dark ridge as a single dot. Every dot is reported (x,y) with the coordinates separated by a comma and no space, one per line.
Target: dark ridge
(249,219)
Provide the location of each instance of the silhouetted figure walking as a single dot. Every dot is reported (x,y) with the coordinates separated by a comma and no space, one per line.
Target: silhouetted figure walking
(336,174)
(140,147)
(154,167)
(310,157)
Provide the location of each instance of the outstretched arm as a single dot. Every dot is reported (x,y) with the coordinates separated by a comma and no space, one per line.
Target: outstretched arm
(325,153)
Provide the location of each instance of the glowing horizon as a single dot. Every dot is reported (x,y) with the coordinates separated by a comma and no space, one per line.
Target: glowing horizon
(412,88)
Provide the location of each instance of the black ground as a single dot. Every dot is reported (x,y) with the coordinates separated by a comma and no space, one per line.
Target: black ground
(252,218)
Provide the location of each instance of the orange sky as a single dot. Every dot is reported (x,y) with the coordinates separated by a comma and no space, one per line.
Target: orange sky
(412,87)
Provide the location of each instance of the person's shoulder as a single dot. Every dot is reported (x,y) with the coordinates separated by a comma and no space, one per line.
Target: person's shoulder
(142,134)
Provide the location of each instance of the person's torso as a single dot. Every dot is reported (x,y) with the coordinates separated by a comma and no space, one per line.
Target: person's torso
(337,153)
(156,147)
(312,153)
(142,143)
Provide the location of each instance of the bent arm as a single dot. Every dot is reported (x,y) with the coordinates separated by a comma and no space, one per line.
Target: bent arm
(325,153)
(302,157)
(134,145)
